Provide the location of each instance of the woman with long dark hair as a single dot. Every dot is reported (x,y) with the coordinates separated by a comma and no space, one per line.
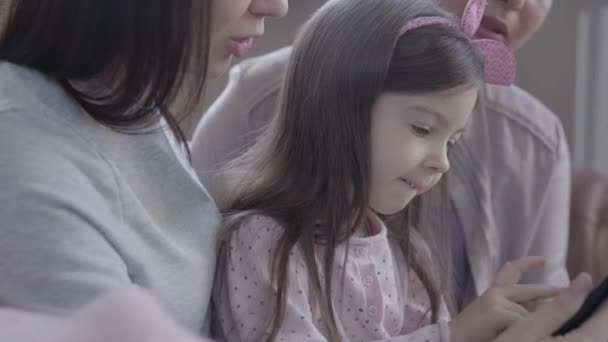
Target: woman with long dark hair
(97,190)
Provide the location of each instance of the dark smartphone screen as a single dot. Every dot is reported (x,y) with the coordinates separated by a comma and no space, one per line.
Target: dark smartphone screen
(594,300)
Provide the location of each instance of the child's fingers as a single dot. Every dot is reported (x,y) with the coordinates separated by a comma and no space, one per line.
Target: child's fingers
(516,308)
(512,272)
(527,293)
(508,317)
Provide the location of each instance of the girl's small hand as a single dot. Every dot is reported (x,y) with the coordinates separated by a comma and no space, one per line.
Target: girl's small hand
(501,305)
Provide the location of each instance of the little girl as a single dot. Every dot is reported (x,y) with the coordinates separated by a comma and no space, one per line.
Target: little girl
(325,216)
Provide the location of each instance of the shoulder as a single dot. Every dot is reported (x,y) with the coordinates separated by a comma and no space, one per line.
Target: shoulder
(256,235)
(268,69)
(34,146)
(35,106)
(245,105)
(525,118)
(260,77)
(255,246)
(43,144)
(511,133)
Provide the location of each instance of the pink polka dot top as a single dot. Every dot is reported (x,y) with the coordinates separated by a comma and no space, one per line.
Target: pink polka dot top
(378,299)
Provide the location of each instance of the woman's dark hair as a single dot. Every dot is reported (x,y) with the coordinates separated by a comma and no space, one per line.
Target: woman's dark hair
(150,51)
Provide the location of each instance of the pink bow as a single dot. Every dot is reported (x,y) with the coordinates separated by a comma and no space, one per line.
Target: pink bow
(498,59)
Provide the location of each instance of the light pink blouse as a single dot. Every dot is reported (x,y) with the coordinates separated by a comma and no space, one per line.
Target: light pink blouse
(380,300)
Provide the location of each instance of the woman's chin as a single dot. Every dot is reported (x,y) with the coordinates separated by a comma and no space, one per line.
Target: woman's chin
(218,67)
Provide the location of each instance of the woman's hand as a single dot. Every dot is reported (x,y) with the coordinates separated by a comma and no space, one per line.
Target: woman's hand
(502,305)
(539,326)
(125,316)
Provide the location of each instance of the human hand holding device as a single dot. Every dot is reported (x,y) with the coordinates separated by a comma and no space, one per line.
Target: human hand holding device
(540,325)
(592,303)
(501,305)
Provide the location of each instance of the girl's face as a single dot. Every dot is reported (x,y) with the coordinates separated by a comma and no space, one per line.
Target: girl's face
(513,22)
(235,24)
(410,136)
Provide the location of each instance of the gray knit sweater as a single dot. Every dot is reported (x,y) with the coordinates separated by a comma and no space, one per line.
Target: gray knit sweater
(85,209)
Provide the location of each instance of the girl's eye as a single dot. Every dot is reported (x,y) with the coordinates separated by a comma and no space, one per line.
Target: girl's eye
(421,131)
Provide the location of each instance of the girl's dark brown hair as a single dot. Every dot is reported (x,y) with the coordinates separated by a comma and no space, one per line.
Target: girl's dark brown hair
(145,47)
(313,160)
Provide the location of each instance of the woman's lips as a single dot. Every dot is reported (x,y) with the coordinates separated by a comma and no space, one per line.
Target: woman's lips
(241,46)
(494,29)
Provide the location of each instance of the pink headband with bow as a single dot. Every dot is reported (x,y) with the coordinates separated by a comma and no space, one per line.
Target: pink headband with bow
(498,59)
